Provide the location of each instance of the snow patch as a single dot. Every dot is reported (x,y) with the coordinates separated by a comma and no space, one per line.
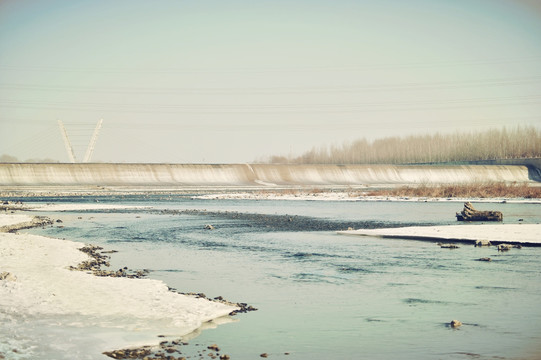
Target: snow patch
(509,233)
(44,288)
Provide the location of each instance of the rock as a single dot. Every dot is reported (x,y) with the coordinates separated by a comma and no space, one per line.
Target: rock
(213,347)
(504,247)
(225,357)
(109,252)
(484,259)
(7,276)
(480,243)
(98,259)
(449,246)
(455,323)
(264,355)
(244,308)
(209,227)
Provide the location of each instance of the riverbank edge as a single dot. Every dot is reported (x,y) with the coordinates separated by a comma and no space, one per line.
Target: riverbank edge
(9,227)
(496,234)
(10,201)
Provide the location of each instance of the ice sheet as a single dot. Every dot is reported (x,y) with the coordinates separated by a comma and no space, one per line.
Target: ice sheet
(44,288)
(509,233)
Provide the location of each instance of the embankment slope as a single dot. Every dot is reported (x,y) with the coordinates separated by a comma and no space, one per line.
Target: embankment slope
(107,174)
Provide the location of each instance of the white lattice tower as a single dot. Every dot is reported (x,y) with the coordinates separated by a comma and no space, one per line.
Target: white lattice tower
(92,143)
(69,148)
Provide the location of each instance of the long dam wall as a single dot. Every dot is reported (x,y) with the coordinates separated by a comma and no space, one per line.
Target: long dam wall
(260,175)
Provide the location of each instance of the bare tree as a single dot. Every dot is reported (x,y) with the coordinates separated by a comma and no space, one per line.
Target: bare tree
(518,142)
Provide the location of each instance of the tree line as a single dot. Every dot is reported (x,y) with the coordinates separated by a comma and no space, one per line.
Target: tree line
(518,142)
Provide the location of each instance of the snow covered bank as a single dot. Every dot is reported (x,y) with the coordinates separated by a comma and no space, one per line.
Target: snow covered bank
(7,220)
(82,207)
(42,289)
(346,196)
(277,195)
(525,234)
(11,223)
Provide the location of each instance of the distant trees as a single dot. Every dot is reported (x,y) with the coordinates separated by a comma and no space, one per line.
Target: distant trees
(4,158)
(519,142)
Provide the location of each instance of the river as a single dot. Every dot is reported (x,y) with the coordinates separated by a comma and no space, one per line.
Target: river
(320,295)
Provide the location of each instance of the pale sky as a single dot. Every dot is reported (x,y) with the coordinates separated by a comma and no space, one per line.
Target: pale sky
(236,81)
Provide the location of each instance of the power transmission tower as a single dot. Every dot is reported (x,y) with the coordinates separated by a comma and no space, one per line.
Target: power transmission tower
(69,148)
(90,147)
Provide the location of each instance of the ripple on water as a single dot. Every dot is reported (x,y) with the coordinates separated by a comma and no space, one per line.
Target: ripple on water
(415,301)
(353,269)
(495,288)
(317,278)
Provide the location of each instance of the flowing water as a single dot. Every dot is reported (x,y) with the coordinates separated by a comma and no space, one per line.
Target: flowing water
(321,295)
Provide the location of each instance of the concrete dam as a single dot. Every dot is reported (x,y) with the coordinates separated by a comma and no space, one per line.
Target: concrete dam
(252,175)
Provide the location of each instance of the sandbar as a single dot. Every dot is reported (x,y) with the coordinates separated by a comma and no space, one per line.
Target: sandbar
(524,234)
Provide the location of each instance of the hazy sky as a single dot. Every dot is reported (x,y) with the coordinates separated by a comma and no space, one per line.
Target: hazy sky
(235,81)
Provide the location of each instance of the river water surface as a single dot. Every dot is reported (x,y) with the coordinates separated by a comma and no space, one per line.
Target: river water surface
(321,295)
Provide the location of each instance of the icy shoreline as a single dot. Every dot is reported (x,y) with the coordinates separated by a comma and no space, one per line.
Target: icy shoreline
(524,234)
(346,196)
(42,286)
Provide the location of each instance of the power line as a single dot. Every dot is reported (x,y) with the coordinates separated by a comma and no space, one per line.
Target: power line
(281,108)
(37,144)
(281,90)
(342,68)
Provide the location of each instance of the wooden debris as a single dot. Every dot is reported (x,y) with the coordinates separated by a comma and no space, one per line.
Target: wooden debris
(470,214)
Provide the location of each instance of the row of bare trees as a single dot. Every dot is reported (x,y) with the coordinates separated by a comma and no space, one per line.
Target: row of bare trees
(519,142)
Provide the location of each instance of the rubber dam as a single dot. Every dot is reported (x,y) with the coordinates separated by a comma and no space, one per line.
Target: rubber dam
(254,175)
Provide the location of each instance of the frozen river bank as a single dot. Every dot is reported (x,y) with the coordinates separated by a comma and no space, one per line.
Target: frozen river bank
(110,312)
